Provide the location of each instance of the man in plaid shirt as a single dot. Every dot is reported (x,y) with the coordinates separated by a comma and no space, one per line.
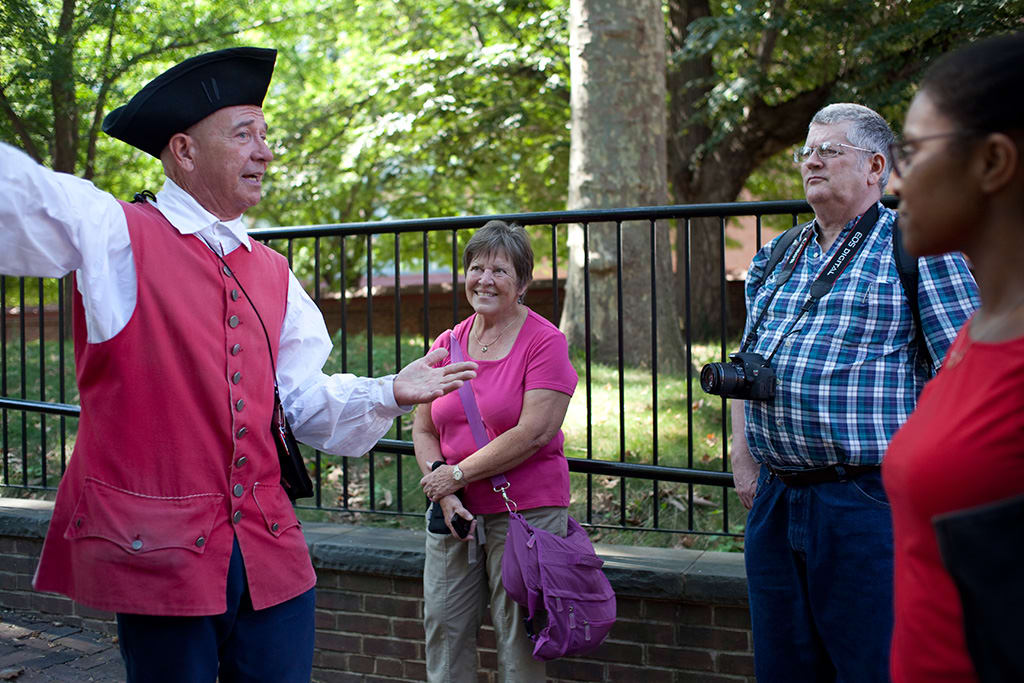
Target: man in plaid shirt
(806,462)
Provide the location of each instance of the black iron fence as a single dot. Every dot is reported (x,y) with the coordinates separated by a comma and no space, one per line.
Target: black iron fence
(648,451)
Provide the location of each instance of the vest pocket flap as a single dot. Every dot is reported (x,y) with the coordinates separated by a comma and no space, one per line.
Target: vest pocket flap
(140,523)
(278,513)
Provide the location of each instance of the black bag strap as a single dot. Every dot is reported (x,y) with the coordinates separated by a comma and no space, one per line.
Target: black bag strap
(294,476)
(780,248)
(906,266)
(270,349)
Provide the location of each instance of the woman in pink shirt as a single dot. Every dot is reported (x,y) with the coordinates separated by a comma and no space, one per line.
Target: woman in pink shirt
(523,385)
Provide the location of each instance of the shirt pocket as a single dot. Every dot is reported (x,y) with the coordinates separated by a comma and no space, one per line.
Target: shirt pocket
(878,318)
(139,523)
(273,504)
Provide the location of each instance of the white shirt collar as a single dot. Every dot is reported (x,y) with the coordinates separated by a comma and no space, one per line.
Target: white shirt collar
(189,217)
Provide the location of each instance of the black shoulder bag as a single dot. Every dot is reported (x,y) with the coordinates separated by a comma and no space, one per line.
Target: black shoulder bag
(294,477)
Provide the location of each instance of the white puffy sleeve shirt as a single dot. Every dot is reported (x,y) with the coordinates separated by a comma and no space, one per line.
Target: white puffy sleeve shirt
(54,223)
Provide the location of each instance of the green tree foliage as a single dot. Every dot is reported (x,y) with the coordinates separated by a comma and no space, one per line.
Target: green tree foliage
(745,78)
(773,61)
(408,108)
(383,109)
(66,64)
(421,108)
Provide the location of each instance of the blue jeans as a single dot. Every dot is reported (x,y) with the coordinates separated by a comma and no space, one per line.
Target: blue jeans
(274,645)
(819,574)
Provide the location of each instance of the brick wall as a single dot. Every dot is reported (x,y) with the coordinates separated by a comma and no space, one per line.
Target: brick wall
(682,614)
(370,628)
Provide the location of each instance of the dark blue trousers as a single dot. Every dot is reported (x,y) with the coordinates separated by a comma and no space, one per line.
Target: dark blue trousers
(820,573)
(241,645)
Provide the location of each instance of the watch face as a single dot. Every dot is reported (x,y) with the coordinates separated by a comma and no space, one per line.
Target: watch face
(456,473)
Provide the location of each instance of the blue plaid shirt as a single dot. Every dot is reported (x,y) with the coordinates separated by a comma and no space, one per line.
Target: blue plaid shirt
(847,374)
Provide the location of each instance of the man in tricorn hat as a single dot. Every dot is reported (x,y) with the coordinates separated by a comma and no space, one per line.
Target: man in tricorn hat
(170,512)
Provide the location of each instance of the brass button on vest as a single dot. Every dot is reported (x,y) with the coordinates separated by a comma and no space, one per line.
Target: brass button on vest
(241,461)
(238,490)
(227,271)
(233,321)
(236,349)
(201,541)
(137,544)
(234,295)
(241,432)
(236,378)
(275,526)
(237,517)
(239,404)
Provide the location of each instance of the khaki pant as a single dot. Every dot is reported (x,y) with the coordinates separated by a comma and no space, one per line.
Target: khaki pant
(455,595)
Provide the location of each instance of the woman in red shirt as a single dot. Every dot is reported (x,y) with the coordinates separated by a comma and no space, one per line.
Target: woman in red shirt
(960,179)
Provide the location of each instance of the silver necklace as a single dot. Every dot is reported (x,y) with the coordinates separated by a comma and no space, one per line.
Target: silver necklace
(483,347)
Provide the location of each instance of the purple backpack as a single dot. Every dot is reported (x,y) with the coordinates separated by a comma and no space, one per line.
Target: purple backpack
(563,576)
(540,569)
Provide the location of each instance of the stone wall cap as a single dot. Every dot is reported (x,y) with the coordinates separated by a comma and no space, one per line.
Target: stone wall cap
(660,573)
(24,517)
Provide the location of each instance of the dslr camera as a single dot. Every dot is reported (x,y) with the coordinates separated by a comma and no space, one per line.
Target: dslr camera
(746,376)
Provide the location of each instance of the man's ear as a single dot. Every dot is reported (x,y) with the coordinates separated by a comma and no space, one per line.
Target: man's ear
(181,148)
(876,168)
(996,160)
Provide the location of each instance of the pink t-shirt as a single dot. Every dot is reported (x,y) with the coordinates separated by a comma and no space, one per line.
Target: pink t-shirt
(539,359)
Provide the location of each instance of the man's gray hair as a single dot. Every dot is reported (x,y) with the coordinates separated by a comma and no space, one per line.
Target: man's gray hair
(869,129)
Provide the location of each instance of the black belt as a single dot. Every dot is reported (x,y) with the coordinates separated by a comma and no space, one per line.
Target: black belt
(820,475)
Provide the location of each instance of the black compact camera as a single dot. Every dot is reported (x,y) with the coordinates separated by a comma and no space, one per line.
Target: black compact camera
(436,522)
(435,516)
(746,376)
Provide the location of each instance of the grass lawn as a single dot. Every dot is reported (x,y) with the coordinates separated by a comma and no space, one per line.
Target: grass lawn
(387,483)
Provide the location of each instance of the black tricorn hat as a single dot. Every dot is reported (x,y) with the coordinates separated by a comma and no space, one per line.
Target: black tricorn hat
(187,93)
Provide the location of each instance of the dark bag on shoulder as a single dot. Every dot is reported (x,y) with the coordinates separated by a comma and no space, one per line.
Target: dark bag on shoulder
(294,477)
(983,550)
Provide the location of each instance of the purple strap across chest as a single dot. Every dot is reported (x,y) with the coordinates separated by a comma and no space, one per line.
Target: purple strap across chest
(476,422)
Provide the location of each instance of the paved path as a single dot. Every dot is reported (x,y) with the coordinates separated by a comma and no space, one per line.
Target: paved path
(33,650)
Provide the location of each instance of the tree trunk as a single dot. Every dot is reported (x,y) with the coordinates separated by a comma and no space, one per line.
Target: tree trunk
(62,92)
(617,159)
(704,170)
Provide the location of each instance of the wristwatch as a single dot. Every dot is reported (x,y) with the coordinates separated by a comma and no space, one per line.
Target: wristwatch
(456,473)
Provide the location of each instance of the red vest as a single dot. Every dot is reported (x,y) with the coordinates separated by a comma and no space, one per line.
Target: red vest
(174,455)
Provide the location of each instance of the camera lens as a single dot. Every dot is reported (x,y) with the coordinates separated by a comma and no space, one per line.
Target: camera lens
(711,378)
(721,379)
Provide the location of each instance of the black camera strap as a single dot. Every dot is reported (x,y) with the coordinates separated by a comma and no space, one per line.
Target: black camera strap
(824,282)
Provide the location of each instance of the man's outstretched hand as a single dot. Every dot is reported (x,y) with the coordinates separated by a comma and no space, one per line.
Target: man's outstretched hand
(420,382)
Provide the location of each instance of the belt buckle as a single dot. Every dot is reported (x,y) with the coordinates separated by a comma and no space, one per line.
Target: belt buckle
(786,474)
(800,476)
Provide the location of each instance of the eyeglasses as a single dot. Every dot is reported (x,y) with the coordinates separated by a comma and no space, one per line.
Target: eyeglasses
(826,150)
(902,151)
